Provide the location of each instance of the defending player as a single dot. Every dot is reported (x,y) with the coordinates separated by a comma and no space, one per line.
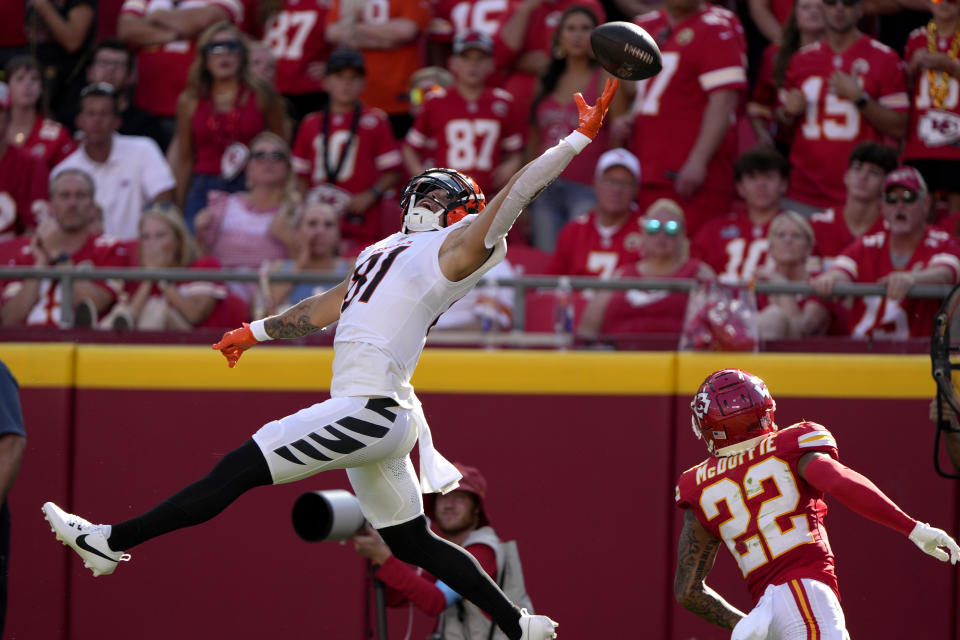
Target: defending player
(398,288)
(762,494)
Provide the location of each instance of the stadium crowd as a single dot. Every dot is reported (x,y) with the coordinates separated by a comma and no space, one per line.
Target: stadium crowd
(812,141)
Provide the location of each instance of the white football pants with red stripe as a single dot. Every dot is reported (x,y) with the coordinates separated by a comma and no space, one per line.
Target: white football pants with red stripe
(801,609)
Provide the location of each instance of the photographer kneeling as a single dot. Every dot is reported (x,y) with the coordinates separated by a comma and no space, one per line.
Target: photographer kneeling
(459,518)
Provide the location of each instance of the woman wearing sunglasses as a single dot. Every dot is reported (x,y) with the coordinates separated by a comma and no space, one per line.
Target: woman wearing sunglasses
(246,229)
(665,251)
(223,107)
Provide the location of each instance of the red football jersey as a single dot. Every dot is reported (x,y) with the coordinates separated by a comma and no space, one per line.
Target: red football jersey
(770,519)
(733,246)
(636,311)
(451,17)
(97,251)
(701,54)
(471,136)
(832,126)
(868,260)
(832,236)
(361,158)
(389,70)
(926,121)
(585,249)
(50,141)
(162,70)
(295,36)
(23,191)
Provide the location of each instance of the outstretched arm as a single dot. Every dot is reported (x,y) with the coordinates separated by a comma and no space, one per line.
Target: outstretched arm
(307,316)
(696,553)
(464,253)
(857,492)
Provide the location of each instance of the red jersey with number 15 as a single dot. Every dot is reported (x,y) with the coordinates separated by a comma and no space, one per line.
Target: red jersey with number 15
(770,519)
(832,126)
(701,54)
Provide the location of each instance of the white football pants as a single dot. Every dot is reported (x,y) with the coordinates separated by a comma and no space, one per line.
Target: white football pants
(801,609)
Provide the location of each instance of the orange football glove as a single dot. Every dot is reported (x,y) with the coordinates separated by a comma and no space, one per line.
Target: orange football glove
(590,118)
(234,343)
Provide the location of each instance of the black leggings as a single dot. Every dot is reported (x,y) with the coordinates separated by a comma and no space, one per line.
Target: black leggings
(414,543)
(236,473)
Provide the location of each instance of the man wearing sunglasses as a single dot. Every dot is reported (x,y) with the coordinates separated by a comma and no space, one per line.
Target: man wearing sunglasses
(906,253)
(838,92)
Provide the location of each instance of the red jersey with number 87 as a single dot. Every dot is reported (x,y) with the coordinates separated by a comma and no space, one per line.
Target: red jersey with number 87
(832,126)
(769,518)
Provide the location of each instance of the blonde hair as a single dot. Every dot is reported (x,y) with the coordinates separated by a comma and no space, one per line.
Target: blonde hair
(199,79)
(170,214)
(797,219)
(670,206)
(291,195)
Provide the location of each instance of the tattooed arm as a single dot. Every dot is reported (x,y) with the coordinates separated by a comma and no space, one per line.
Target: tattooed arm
(695,556)
(310,314)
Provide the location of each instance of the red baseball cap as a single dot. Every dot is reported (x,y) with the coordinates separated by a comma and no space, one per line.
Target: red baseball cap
(473,39)
(906,177)
(472,482)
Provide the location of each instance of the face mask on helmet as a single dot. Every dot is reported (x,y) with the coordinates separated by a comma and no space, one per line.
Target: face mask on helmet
(731,409)
(438,198)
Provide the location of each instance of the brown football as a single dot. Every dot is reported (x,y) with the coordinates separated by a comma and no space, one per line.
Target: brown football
(626,50)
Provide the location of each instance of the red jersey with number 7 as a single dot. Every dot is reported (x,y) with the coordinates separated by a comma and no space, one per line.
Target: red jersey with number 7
(770,519)
(832,126)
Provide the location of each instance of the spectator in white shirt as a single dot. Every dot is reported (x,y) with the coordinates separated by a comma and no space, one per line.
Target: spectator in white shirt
(130,172)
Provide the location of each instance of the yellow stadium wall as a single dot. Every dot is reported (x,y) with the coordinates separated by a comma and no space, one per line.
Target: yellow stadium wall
(580,449)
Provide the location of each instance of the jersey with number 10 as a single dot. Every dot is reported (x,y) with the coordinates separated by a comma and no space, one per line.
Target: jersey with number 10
(769,518)
(396,293)
(832,126)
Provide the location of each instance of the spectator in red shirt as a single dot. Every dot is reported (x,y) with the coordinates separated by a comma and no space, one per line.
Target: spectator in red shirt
(23,180)
(835,229)
(223,108)
(460,518)
(64,238)
(469,126)
(554,112)
(596,243)
(845,89)
(295,36)
(390,37)
(345,155)
(905,253)
(666,254)
(933,72)
(683,116)
(163,33)
(736,244)
(42,137)
(789,315)
(804,26)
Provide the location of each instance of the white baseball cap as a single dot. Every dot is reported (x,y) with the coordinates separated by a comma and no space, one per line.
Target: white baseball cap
(619,158)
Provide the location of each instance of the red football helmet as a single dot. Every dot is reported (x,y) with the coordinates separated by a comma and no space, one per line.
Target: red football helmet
(454,196)
(731,406)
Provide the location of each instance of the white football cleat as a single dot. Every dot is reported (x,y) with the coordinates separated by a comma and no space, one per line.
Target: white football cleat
(536,627)
(86,539)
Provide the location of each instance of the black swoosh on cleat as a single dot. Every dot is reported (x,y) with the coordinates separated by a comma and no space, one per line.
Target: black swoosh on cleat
(82,543)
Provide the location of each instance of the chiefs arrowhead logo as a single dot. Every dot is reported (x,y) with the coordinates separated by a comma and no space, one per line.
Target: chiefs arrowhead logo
(700,405)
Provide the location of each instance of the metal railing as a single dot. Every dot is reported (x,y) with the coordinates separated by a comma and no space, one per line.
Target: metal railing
(520,285)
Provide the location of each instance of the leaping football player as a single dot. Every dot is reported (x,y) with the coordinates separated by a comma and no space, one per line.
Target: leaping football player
(385,306)
(728,498)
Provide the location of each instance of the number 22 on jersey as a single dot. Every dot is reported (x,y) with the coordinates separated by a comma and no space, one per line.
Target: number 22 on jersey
(755,527)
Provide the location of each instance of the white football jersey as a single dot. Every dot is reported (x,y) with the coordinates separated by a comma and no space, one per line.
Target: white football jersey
(396,293)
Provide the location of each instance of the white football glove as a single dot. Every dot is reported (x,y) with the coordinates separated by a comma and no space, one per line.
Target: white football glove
(933,541)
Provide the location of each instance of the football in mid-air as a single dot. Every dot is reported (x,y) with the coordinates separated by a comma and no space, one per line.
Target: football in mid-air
(626,50)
